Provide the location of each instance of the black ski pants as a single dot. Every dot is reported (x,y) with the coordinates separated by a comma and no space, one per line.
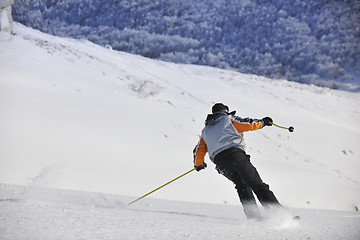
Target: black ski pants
(235,165)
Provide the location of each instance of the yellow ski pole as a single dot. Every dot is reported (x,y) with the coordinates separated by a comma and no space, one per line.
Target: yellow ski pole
(291,129)
(162,186)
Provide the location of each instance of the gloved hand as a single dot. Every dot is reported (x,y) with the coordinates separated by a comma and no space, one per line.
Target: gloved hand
(200,167)
(267,121)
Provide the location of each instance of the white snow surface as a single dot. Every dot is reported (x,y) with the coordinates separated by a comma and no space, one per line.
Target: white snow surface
(84,130)
(38,213)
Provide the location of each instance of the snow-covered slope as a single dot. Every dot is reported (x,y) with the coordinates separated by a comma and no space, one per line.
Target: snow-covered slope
(74,115)
(37,213)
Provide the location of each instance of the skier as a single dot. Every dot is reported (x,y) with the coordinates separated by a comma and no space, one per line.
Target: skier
(222,138)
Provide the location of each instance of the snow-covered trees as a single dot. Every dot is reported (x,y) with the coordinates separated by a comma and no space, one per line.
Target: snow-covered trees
(5,16)
(302,40)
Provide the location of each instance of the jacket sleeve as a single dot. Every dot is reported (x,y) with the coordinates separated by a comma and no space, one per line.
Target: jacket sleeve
(199,152)
(246,124)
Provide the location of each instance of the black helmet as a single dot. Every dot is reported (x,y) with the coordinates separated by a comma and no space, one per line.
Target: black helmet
(219,108)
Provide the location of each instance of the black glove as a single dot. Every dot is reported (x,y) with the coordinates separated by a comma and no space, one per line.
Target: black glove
(200,167)
(267,121)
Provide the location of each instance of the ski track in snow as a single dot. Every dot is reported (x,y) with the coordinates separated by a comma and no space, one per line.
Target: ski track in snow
(41,213)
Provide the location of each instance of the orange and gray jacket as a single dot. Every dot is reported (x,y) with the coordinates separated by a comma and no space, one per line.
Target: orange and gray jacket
(222,132)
